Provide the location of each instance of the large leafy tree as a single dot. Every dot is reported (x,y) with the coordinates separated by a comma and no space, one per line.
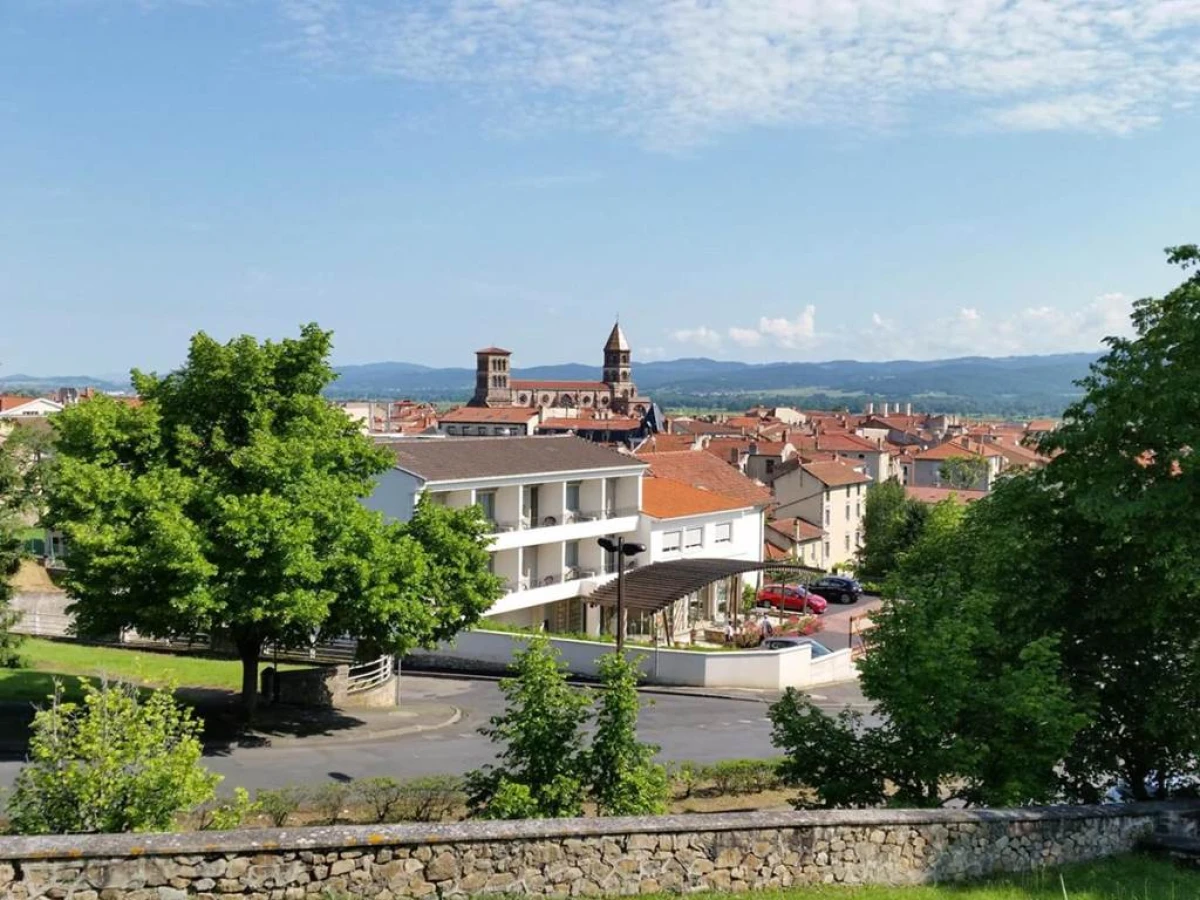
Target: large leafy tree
(892,522)
(969,711)
(22,452)
(228,503)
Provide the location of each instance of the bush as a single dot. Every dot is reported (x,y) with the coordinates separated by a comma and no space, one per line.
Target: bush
(329,801)
(685,778)
(431,799)
(225,815)
(114,763)
(278,805)
(540,732)
(744,776)
(625,779)
(383,796)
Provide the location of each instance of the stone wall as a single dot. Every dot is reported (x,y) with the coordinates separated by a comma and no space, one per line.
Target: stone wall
(324,687)
(580,857)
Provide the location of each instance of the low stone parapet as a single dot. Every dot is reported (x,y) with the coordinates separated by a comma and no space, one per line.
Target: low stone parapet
(574,857)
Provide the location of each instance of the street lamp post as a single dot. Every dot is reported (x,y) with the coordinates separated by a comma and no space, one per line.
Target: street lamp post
(622,549)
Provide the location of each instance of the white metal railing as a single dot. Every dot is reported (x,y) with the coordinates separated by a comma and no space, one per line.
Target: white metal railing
(370,675)
(567,517)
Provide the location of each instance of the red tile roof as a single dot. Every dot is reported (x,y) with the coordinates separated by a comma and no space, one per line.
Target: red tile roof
(12,401)
(770,551)
(696,426)
(668,443)
(591,424)
(1042,425)
(507,414)
(706,471)
(835,474)
(949,450)
(666,498)
(791,526)
(938,494)
(495,351)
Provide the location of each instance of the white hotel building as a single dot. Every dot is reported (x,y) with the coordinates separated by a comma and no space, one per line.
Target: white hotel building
(550,499)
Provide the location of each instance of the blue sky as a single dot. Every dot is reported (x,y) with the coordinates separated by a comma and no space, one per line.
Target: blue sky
(749,179)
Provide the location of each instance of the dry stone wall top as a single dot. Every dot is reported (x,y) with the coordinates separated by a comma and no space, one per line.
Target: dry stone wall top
(575,857)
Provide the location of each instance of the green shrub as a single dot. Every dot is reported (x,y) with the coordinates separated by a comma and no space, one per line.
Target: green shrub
(431,799)
(114,763)
(383,796)
(626,781)
(744,776)
(685,778)
(225,815)
(279,805)
(329,801)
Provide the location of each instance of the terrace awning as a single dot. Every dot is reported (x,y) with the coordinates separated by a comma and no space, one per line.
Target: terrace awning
(657,586)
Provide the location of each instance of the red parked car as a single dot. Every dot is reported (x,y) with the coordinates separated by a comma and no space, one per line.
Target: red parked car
(793,598)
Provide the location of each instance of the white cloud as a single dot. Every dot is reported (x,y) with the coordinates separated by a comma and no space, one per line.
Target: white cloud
(675,72)
(649,354)
(971,332)
(702,336)
(745,337)
(791,333)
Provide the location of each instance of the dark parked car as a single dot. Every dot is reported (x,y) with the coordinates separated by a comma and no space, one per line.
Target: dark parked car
(838,589)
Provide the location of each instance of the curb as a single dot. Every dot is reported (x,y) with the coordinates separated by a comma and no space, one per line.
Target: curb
(275,742)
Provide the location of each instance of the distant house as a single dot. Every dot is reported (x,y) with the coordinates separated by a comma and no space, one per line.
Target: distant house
(932,495)
(927,465)
(482,421)
(16,407)
(797,540)
(831,495)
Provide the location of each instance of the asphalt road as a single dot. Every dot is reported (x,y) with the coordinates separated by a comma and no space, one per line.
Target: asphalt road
(704,729)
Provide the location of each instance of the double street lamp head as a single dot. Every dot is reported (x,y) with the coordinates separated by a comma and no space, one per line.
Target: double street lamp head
(620,546)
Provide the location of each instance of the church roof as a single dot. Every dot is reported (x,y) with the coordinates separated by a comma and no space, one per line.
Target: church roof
(616,339)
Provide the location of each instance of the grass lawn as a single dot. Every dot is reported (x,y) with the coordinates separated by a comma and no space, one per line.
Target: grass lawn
(1127,878)
(50,659)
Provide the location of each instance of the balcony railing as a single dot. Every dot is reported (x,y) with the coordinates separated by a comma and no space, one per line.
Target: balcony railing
(572,573)
(568,517)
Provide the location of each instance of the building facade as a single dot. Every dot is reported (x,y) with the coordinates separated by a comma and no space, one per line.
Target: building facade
(831,496)
(549,499)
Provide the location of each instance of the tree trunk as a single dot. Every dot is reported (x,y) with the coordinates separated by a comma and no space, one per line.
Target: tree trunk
(249,649)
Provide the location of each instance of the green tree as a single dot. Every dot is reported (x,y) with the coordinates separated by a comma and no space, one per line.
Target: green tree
(542,769)
(21,473)
(892,522)
(625,779)
(228,503)
(115,763)
(963,472)
(970,712)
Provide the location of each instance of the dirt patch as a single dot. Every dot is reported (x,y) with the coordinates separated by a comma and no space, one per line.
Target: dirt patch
(33,577)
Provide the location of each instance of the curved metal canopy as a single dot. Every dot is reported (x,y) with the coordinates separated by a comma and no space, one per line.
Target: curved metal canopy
(658,585)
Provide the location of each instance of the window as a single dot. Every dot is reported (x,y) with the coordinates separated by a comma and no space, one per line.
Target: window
(573,496)
(770,466)
(858,490)
(847,510)
(670,541)
(572,554)
(487,502)
(610,497)
(828,516)
(827,549)
(692,538)
(723,532)
(481,430)
(858,509)
(847,542)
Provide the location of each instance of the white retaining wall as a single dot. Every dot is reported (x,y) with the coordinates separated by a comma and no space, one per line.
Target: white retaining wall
(756,669)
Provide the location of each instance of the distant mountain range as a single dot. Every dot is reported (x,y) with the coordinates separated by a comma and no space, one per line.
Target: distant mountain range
(1016,385)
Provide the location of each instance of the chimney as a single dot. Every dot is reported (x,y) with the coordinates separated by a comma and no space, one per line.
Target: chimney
(908,409)
(796,530)
(885,410)
(871,408)
(786,434)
